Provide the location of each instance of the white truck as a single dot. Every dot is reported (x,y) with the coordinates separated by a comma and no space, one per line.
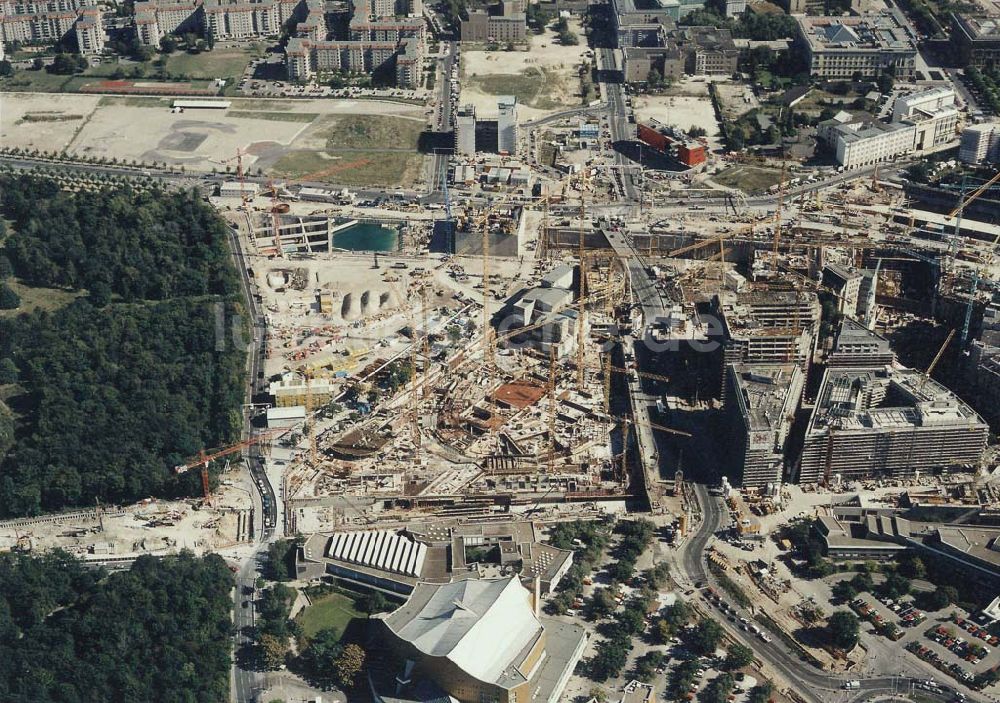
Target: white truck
(851,685)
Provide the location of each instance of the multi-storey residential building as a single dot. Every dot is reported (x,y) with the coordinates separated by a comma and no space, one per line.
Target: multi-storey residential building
(244,19)
(154,19)
(975,40)
(44,28)
(507,124)
(90,32)
(979,143)
(373,43)
(871,422)
(760,406)
(503,22)
(841,47)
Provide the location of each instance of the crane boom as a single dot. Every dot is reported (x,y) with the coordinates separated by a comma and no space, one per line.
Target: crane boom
(975,194)
(205,458)
(937,357)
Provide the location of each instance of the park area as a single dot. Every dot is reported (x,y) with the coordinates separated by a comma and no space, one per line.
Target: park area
(347,142)
(544,79)
(332,611)
(181,73)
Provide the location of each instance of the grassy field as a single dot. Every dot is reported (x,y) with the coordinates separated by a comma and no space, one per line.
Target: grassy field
(133,101)
(218,63)
(333,611)
(47,299)
(35,82)
(356,168)
(749,179)
(531,87)
(304,117)
(372,132)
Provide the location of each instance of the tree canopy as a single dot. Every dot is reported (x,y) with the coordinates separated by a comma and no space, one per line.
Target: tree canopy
(119,388)
(158,632)
(842,630)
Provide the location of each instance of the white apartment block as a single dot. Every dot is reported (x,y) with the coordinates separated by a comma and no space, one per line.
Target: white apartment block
(866,144)
(979,143)
(90,32)
(507,124)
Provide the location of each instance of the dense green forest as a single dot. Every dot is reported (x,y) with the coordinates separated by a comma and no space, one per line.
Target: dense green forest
(122,384)
(159,632)
(139,246)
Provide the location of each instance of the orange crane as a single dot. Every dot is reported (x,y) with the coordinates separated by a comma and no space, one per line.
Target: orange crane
(206,457)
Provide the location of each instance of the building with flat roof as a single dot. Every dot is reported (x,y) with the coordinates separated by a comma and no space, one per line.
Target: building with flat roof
(839,47)
(890,422)
(857,346)
(865,143)
(507,124)
(975,40)
(883,533)
(465,130)
(979,143)
(502,22)
(760,406)
(672,142)
(393,560)
(767,327)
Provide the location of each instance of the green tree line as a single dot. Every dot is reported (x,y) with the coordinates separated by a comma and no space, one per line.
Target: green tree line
(158,632)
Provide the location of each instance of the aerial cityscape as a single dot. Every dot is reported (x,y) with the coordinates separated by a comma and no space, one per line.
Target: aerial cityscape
(499,351)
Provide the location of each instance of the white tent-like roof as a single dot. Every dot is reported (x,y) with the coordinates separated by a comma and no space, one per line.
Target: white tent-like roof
(481,625)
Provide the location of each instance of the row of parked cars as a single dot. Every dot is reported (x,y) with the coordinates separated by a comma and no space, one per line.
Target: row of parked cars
(970,652)
(932,657)
(976,631)
(882,626)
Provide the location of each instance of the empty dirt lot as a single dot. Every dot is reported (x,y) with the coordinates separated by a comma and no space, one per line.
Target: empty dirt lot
(145,129)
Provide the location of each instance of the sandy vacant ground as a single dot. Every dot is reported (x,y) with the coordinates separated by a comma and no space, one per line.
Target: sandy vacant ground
(145,129)
(689,106)
(545,78)
(737,99)
(46,122)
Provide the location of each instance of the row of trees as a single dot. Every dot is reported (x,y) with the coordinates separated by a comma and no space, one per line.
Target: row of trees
(158,632)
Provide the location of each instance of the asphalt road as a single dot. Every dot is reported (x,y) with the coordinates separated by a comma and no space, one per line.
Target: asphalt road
(443,123)
(816,686)
(265,518)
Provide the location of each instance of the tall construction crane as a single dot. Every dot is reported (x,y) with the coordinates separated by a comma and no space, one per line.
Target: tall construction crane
(206,457)
(957,214)
(781,203)
(937,357)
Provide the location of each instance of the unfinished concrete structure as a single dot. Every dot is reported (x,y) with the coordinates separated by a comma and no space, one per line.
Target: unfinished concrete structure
(857,346)
(760,407)
(887,422)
